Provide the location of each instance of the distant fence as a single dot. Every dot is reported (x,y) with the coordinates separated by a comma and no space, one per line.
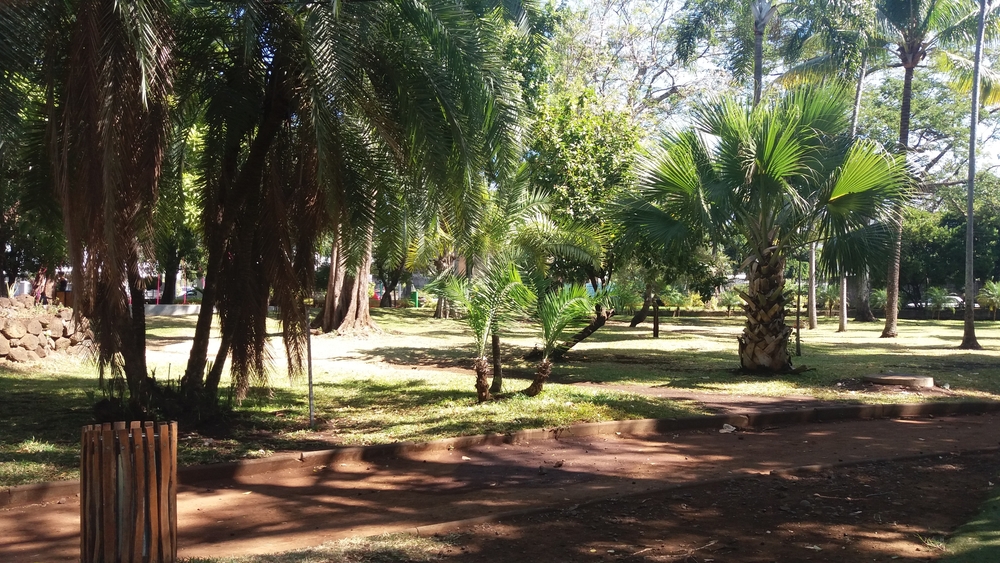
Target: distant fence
(128,493)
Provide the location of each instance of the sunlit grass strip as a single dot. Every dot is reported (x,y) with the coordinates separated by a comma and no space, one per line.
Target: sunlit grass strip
(978,541)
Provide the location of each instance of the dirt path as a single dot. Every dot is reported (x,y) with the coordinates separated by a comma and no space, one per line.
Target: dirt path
(308,506)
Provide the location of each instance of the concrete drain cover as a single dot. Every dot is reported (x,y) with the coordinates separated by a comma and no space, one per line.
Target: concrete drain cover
(916,381)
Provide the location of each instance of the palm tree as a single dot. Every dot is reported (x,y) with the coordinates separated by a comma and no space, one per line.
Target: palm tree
(496,293)
(916,29)
(989,296)
(103,70)
(558,311)
(311,111)
(936,299)
(779,175)
(730,299)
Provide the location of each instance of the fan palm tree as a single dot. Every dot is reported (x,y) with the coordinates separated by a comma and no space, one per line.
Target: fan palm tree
(494,294)
(779,175)
(989,296)
(564,309)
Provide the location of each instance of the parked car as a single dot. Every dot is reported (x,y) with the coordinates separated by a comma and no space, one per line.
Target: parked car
(950,302)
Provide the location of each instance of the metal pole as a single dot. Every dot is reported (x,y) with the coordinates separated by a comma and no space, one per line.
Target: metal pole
(309,363)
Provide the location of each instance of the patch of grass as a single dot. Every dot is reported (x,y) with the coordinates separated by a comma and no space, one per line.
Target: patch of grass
(414,381)
(389,548)
(978,541)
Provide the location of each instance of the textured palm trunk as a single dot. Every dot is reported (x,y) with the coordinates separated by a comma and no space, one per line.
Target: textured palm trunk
(763,345)
(891,329)
(600,318)
(758,61)
(863,310)
(541,376)
(482,367)
(497,384)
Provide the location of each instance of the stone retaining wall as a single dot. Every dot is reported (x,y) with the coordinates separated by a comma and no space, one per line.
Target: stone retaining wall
(29,333)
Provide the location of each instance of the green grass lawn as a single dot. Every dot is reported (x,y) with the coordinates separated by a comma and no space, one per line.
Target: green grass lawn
(414,382)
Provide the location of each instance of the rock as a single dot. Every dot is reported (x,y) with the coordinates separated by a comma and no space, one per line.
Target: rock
(76,338)
(32,356)
(55,327)
(5,302)
(4,346)
(34,327)
(805,504)
(30,342)
(15,342)
(69,327)
(40,352)
(62,343)
(14,329)
(18,355)
(66,314)
(26,300)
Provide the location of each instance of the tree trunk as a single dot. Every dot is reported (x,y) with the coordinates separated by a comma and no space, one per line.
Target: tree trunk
(541,376)
(346,307)
(864,312)
(482,367)
(600,318)
(211,395)
(656,318)
(763,346)
(169,293)
(758,62)
(969,340)
(193,381)
(133,347)
(891,329)
(647,299)
(811,287)
(497,384)
(843,304)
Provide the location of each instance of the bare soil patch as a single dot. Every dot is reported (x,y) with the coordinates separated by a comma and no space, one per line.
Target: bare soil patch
(886,511)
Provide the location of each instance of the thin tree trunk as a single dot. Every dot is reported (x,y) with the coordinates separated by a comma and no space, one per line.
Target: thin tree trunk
(763,345)
(169,293)
(864,309)
(969,341)
(211,395)
(134,347)
(497,384)
(647,299)
(891,329)
(656,318)
(811,287)
(843,304)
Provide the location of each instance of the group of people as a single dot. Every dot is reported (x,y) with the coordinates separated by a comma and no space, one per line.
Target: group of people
(45,287)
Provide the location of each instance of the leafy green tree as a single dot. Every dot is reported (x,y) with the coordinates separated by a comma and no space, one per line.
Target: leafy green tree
(989,296)
(778,175)
(878,299)
(565,308)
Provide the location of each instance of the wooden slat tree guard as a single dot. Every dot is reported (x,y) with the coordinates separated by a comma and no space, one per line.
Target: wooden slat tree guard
(128,493)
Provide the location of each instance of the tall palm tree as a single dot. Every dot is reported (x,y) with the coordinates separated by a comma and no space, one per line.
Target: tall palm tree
(969,341)
(311,109)
(915,29)
(779,175)
(103,69)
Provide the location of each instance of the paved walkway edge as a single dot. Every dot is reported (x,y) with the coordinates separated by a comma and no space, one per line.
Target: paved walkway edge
(53,491)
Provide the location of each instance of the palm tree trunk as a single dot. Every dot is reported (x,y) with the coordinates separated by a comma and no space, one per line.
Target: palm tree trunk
(863,313)
(969,341)
(497,384)
(763,346)
(843,304)
(758,61)
(891,329)
(541,376)
(346,308)
(647,299)
(811,283)
(601,317)
(482,380)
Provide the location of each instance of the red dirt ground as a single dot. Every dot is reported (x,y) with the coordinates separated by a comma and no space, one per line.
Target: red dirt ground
(734,501)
